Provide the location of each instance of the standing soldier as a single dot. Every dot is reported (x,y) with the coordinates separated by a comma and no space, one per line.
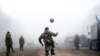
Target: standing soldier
(21,42)
(9,43)
(76,42)
(48,40)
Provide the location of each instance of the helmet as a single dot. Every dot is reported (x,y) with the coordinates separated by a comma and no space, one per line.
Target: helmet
(46,28)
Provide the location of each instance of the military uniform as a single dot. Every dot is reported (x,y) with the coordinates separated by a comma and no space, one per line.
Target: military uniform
(76,42)
(21,42)
(8,42)
(48,41)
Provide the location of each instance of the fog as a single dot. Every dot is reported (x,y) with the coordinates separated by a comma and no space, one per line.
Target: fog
(29,18)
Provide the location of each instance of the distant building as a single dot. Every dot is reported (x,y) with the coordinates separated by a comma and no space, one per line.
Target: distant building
(95,34)
(98,36)
(93,31)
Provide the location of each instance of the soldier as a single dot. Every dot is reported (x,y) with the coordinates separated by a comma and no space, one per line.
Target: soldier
(21,42)
(9,43)
(48,40)
(76,42)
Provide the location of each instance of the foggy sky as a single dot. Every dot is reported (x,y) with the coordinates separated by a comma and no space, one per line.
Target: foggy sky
(71,16)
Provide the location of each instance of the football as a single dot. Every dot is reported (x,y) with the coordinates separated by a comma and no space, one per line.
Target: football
(51,20)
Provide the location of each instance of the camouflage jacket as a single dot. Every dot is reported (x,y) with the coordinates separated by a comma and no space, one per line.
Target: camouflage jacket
(47,36)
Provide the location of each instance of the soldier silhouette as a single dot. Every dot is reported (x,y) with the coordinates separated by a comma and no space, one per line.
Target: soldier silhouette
(48,40)
(77,41)
(9,43)
(21,42)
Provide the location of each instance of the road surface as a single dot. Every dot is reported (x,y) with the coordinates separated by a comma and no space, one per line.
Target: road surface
(59,52)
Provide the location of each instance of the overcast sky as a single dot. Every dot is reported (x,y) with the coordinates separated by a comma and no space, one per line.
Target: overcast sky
(33,15)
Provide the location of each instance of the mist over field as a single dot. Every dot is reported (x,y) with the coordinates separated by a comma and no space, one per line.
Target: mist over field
(29,18)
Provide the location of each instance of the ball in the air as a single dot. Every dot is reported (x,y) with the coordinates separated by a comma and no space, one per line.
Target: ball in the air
(51,20)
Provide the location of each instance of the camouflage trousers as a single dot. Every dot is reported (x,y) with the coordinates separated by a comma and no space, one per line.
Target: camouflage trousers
(49,47)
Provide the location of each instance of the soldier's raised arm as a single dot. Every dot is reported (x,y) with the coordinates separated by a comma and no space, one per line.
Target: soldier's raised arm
(54,34)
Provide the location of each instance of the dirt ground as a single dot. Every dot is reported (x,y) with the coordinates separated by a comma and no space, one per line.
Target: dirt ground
(58,51)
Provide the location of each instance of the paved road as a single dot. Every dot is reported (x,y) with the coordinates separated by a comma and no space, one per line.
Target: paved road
(59,52)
